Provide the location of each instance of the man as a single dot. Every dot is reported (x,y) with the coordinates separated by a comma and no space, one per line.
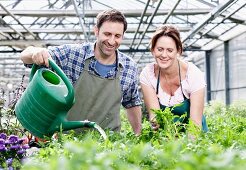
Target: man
(102,76)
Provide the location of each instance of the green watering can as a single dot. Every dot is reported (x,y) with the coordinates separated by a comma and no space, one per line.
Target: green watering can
(43,107)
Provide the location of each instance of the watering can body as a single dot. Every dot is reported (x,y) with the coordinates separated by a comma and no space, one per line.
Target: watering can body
(43,107)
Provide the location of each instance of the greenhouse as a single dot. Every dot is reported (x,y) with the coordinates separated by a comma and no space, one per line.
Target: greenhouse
(123,84)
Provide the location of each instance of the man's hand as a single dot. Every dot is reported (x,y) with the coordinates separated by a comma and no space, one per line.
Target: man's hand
(40,56)
(36,55)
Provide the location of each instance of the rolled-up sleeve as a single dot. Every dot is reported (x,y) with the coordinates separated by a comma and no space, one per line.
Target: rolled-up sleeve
(60,54)
(131,95)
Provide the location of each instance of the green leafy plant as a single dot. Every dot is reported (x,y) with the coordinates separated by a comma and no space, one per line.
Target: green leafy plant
(170,125)
(223,147)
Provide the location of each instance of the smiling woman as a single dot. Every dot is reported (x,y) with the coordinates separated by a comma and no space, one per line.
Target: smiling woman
(171,82)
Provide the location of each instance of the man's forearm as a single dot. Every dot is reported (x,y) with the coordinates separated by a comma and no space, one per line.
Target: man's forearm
(36,55)
(134,115)
(26,55)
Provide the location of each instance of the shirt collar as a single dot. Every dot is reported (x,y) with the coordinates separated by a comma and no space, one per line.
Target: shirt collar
(90,53)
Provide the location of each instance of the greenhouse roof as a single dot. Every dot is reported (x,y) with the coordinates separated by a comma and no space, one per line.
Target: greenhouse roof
(204,24)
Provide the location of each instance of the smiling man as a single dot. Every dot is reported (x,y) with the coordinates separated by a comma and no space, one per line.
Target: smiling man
(103,77)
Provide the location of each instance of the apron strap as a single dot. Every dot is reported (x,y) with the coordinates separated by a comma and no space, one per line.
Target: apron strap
(118,69)
(87,63)
(158,81)
(180,81)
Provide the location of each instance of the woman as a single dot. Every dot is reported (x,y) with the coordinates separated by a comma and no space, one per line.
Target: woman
(171,81)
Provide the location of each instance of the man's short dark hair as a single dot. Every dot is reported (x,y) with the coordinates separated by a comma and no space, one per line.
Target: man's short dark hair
(111,15)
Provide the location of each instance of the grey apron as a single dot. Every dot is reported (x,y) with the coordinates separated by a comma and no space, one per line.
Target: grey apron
(97,99)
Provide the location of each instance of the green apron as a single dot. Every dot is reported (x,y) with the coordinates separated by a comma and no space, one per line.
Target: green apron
(182,108)
(97,99)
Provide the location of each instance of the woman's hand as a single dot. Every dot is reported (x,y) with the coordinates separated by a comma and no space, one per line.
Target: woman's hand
(154,125)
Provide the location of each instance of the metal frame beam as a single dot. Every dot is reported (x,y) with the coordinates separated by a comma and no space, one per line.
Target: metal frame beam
(208,18)
(165,20)
(140,22)
(224,18)
(13,16)
(227,72)
(171,11)
(75,31)
(93,13)
(1,20)
(206,3)
(81,18)
(122,50)
(226,31)
(151,19)
(208,74)
(27,42)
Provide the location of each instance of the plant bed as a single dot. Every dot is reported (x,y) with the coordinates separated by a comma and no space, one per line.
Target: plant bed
(222,147)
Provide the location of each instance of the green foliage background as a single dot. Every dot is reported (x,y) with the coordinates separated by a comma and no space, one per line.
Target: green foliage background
(223,147)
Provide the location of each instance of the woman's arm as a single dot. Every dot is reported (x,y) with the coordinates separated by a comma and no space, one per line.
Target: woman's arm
(197,106)
(150,100)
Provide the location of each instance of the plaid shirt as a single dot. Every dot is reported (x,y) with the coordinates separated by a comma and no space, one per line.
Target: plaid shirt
(71,58)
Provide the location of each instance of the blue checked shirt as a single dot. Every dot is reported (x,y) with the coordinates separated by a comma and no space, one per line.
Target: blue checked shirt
(71,58)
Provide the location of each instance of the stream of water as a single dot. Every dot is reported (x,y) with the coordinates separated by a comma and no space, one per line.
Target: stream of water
(101,131)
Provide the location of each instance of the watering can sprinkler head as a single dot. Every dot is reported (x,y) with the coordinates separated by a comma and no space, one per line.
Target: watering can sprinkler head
(89,124)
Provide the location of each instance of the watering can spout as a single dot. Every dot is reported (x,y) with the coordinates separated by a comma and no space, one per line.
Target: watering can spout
(65,125)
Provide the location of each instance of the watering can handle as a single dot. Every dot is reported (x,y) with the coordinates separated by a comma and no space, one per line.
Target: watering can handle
(70,96)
